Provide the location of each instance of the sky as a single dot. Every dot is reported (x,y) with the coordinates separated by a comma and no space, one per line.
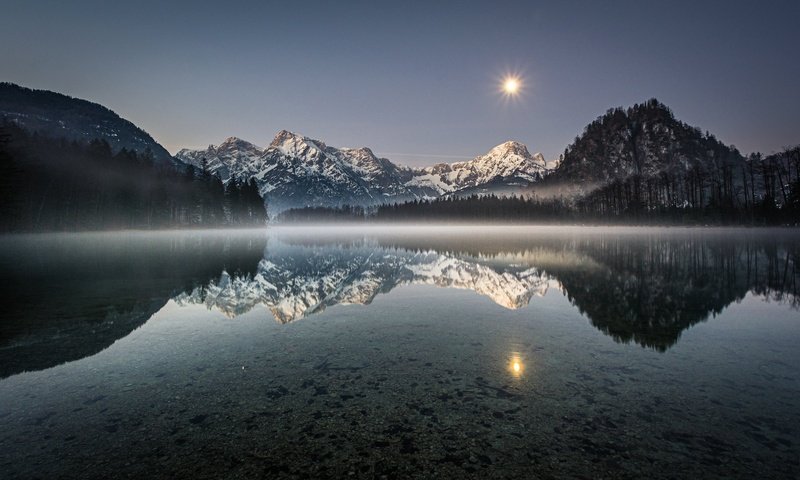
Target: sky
(418,82)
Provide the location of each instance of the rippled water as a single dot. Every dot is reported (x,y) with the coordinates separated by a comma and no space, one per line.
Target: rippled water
(401,352)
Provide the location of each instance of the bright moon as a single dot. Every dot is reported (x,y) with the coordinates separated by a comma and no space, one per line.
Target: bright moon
(511,85)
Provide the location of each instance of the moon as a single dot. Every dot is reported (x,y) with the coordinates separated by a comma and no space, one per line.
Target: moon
(511,85)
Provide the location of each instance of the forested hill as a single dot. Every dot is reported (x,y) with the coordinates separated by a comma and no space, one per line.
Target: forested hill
(62,116)
(642,159)
(644,140)
(55,184)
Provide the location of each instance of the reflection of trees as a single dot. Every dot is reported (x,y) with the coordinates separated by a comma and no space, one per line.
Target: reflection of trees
(652,289)
(67,297)
(647,288)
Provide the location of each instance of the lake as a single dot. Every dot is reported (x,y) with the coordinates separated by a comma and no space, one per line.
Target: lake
(397,352)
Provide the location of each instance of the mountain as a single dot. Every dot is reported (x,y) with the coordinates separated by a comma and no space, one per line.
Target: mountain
(628,164)
(60,116)
(643,157)
(297,171)
(506,165)
(233,158)
(68,164)
(644,140)
(642,163)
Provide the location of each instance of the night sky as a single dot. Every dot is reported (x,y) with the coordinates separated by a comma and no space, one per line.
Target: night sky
(416,82)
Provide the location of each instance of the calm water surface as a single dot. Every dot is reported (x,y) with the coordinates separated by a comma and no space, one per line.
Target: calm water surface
(401,352)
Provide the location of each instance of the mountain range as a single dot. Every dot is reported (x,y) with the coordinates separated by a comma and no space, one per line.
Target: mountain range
(295,170)
(626,162)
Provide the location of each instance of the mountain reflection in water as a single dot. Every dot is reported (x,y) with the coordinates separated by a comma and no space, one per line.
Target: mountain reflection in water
(71,296)
(642,286)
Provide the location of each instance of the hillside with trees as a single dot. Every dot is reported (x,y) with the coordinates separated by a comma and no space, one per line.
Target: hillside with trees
(56,184)
(61,116)
(642,161)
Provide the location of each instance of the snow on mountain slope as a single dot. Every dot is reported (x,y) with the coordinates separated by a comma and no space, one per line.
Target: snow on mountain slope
(297,171)
(233,158)
(509,162)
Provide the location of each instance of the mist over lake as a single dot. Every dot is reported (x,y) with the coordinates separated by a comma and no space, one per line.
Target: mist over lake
(421,351)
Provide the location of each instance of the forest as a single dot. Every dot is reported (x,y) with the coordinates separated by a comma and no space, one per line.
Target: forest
(55,184)
(629,202)
(642,163)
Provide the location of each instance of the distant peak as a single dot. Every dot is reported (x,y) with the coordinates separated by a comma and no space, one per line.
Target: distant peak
(236,142)
(285,136)
(292,143)
(510,148)
(360,150)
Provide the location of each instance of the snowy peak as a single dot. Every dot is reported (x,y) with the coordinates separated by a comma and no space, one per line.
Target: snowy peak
(295,145)
(510,148)
(236,143)
(282,137)
(233,158)
(231,146)
(507,164)
(513,153)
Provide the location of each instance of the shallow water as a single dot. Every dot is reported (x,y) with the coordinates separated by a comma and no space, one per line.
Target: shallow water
(402,352)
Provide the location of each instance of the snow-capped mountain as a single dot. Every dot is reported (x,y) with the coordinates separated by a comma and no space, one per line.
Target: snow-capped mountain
(233,158)
(294,282)
(509,164)
(297,171)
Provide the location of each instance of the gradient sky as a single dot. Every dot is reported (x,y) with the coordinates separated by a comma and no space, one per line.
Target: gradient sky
(415,81)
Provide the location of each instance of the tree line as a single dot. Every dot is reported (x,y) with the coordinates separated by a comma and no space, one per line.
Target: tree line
(533,209)
(757,190)
(53,184)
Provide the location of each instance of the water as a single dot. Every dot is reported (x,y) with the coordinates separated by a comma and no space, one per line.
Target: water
(401,352)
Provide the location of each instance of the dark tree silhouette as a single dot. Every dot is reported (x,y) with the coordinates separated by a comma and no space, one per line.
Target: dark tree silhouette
(51,184)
